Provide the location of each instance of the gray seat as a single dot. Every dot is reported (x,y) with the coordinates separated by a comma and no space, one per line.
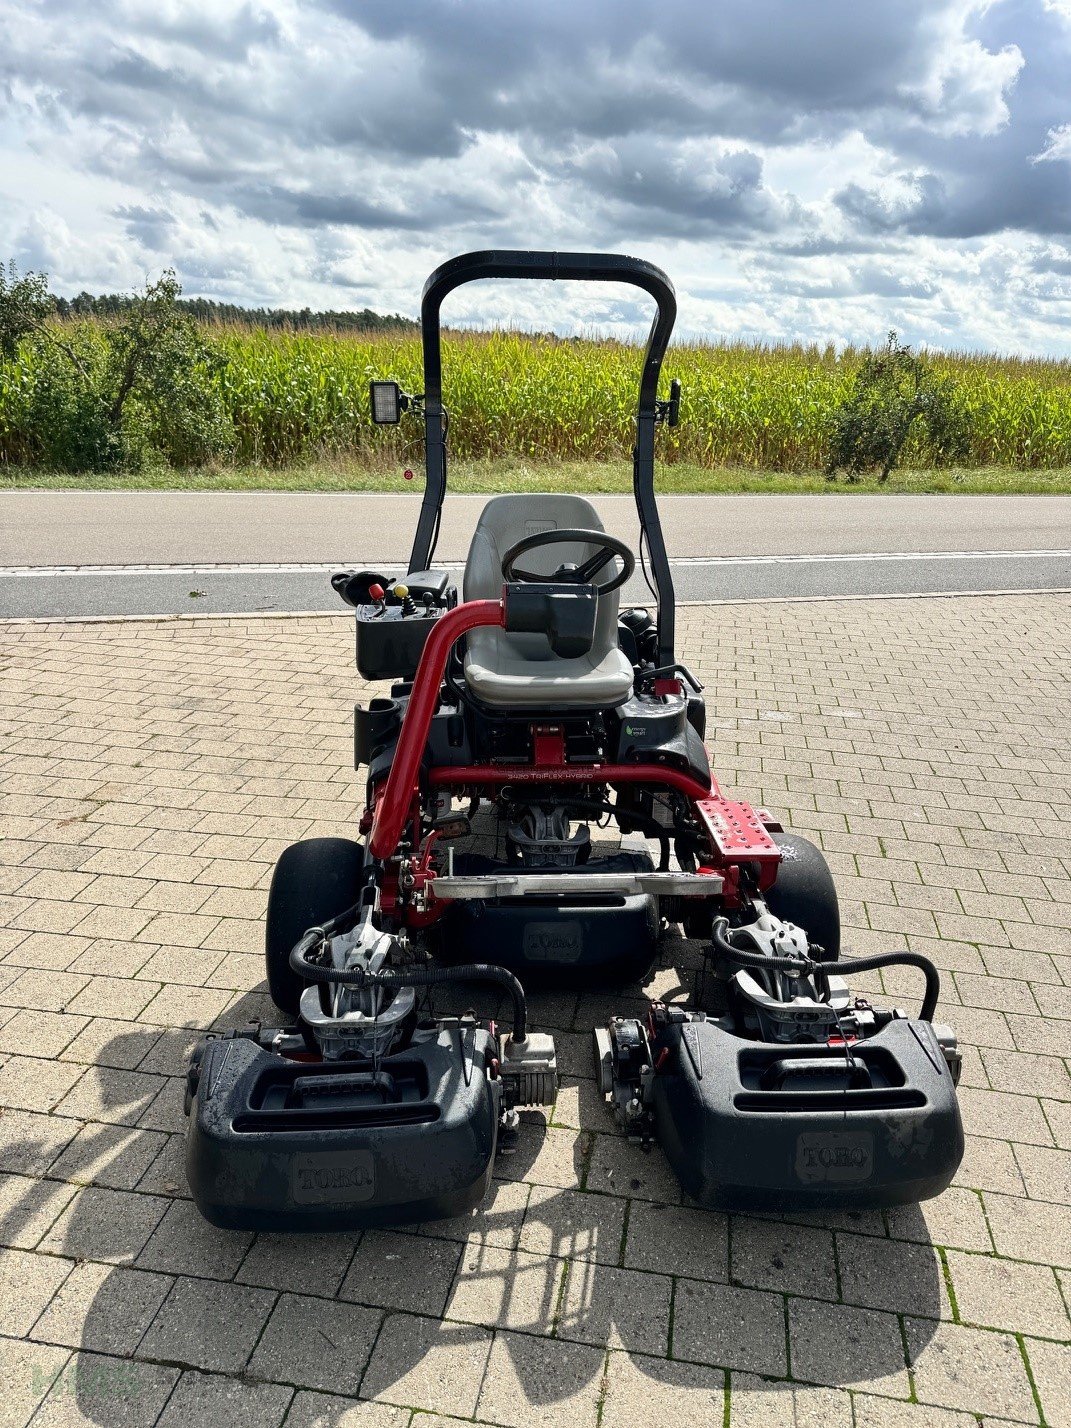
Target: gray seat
(518,671)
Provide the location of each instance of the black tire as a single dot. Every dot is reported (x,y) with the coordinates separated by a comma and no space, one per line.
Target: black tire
(313,881)
(804,893)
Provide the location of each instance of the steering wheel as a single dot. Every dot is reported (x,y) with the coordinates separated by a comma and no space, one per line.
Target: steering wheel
(609,547)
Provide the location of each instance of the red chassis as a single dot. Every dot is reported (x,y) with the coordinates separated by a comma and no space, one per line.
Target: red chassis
(737,833)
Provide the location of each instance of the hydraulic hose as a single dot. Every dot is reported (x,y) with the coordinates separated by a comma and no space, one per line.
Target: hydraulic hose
(802,966)
(394,977)
(898,959)
(794,966)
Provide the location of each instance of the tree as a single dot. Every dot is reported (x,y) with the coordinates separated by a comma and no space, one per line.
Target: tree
(25,303)
(893,389)
(94,396)
(160,363)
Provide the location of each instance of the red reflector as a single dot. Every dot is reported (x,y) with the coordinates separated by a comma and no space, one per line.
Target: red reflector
(548,746)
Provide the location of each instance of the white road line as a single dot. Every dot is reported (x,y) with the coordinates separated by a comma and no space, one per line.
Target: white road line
(6,620)
(883,555)
(690,562)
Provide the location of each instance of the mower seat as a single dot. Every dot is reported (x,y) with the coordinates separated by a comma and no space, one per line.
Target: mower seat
(521,671)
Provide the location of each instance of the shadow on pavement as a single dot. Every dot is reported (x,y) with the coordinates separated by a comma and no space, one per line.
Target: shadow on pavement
(550,1262)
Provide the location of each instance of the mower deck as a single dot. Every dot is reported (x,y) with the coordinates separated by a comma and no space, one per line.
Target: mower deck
(752,1126)
(276,1144)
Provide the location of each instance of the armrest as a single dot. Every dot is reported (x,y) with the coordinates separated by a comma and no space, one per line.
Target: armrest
(352,585)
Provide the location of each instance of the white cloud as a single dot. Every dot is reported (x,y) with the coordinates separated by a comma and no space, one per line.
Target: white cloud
(1057,145)
(818,170)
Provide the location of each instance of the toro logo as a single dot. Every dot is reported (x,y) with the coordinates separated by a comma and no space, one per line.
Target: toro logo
(834,1155)
(553,941)
(335,1176)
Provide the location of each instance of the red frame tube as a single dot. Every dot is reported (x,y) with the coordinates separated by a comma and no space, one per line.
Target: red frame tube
(736,831)
(395,800)
(467,774)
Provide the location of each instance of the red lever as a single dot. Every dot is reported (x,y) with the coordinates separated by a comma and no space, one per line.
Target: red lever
(376,591)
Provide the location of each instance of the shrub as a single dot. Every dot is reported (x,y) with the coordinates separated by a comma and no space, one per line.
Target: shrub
(25,303)
(893,389)
(66,421)
(90,396)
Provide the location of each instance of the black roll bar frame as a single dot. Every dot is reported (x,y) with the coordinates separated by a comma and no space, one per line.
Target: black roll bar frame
(582,267)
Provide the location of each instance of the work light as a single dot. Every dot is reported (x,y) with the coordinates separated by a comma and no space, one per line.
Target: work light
(386,403)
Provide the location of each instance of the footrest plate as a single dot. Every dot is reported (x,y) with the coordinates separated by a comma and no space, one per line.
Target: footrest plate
(737,831)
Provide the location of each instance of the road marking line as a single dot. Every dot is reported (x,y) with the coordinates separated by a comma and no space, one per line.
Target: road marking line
(885,555)
(6,620)
(684,562)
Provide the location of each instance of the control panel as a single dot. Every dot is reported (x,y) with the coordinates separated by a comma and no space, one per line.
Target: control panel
(394,617)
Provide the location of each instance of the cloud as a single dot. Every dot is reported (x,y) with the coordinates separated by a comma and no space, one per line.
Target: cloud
(1057,145)
(152,227)
(818,170)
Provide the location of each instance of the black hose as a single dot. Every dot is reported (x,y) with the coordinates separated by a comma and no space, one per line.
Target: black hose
(647,825)
(802,965)
(898,959)
(798,966)
(464,972)
(394,977)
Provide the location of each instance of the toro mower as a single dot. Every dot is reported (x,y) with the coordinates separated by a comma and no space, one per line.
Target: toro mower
(540,811)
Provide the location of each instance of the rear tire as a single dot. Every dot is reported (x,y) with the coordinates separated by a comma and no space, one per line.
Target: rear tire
(313,881)
(804,893)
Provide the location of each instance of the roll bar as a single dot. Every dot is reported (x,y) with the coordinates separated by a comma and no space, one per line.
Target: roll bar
(582,267)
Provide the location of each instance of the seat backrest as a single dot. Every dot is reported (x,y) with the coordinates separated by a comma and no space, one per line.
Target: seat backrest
(507,519)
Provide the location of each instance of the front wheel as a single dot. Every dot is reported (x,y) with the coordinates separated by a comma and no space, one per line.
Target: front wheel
(804,893)
(313,881)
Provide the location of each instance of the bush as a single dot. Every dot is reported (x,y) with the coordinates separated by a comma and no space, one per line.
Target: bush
(24,304)
(161,379)
(893,389)
(66,421)
(96,397)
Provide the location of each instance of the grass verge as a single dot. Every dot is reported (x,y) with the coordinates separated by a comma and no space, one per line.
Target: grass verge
(514,474)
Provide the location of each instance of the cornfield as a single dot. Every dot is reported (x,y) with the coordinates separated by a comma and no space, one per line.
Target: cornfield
(291,396)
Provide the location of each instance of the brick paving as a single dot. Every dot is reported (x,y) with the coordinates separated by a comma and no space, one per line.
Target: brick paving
(151,773)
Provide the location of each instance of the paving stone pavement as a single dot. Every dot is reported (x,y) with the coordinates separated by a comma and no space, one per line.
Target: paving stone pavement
(152,771)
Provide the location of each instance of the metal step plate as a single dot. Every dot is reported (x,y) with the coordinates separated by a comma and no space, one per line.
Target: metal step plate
(737,830)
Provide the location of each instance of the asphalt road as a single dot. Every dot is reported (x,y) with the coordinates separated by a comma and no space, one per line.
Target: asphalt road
(212,528)
(144,553)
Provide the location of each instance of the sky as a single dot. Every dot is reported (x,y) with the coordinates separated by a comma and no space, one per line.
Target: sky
(812,170)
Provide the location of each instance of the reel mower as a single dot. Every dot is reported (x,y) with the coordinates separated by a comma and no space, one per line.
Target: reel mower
(527,715)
